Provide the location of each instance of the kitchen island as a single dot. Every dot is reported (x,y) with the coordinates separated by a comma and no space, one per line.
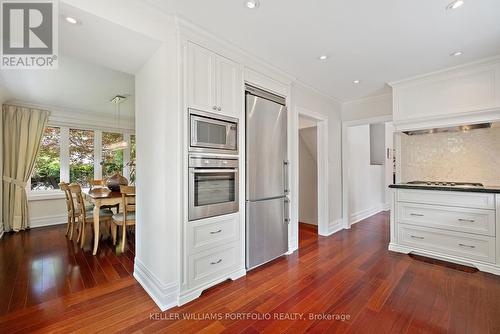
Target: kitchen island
(449,221)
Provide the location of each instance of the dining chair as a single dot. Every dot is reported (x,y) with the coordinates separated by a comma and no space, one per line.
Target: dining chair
(126,217)
(70,207)
(84,215)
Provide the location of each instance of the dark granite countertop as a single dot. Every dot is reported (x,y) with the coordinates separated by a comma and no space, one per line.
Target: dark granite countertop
(485,189)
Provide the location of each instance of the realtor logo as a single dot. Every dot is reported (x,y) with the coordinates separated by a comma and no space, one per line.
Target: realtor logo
(29,34)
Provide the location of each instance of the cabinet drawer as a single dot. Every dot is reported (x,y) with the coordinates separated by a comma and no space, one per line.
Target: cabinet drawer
(448,198)
(478,221)
(210,265)
(212,232)
(475,247)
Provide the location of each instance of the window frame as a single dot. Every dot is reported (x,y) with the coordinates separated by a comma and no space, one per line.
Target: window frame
(34,195)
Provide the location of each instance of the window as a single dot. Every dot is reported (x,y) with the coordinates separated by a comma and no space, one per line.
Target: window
(73,155)
(112,161)
(81,156)
(47,169)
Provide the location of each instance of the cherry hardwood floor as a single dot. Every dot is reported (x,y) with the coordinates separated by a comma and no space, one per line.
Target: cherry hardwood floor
(51,286)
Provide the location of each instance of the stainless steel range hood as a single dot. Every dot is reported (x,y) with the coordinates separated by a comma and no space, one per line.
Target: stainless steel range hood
(460,128)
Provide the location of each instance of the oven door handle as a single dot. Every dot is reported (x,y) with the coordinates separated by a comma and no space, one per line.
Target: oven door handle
(213,171)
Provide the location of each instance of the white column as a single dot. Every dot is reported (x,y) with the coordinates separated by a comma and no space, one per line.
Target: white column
(97,154)
(64,154)
(126,157)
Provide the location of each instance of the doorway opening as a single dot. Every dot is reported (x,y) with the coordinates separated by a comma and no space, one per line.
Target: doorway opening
(308,176)
(368,168)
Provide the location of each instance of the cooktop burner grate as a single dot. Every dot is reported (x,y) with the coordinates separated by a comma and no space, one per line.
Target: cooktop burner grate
(446,184)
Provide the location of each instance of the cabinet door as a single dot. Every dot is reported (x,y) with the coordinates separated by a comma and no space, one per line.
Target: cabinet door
(200,78)
(229,87)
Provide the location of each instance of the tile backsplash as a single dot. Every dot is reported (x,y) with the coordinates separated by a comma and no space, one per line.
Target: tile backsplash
(472,156)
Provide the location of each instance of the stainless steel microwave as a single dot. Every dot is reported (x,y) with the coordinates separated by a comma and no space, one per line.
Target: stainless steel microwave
(213,133)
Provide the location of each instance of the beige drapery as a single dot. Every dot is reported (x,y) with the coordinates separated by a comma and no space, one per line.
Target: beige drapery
(22,133)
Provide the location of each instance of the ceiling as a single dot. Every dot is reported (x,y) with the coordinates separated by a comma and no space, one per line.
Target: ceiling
(102,42)
(76,85)
(372,41)
(97,62)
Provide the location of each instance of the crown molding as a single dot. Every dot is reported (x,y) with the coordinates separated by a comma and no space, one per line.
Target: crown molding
(368,99)
(81,118)
(480,62)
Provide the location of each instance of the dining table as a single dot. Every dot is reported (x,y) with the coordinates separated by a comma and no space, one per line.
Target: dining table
(100,197)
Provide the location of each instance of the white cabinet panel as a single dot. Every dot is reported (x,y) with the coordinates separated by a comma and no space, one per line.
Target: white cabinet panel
(475,221)
(200,78)
(214,83)
(229,87)
(212,232)
(210,265)
(464,89)
(468,246)
(448,198)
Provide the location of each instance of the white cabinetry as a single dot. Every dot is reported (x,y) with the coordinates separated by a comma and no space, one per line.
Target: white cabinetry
(464,94)
(460,227)
(213,248)
(214,83)
(213,253)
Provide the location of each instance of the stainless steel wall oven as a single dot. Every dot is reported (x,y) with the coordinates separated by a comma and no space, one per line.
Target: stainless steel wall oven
(213,186)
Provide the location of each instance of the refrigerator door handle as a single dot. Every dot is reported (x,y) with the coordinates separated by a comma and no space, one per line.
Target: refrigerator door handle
(286,208)
(285,176)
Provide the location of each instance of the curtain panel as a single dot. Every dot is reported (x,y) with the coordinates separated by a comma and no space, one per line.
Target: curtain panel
(22,133)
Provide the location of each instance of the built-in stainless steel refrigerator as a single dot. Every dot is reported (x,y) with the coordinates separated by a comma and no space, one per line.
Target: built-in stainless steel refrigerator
(267,205)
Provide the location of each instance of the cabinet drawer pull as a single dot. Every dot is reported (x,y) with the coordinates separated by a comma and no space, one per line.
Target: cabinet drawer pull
(468,246)
(219,108)
(214,107)
(417,237)
(215,232)
(217,262)
(466,220)
(416,214)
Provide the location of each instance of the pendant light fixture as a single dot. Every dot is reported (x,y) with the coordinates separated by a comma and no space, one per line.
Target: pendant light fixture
(120,145)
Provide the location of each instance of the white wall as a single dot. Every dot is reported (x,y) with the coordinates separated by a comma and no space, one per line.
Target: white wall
(159,176)
(366,182)
(308,176)
(306,98)
(3,98)
(370,107)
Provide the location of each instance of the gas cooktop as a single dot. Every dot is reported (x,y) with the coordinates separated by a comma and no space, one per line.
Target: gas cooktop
(446,184)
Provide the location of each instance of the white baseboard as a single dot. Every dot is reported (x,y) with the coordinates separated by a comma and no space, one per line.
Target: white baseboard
(48,220)
(481,266)
(333,227)
(165,296)
(190,295)
(360,215)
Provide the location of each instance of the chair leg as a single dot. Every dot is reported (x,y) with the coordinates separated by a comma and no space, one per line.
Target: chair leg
(78,227)
(82,234)
(113,232)
(68,228)
(124,236)
(72,227)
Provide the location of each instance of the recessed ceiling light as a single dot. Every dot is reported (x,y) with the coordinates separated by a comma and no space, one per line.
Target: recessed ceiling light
(357,81)
(252,4)
(455,4)
(323,57)
(71,20)
(456,53)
